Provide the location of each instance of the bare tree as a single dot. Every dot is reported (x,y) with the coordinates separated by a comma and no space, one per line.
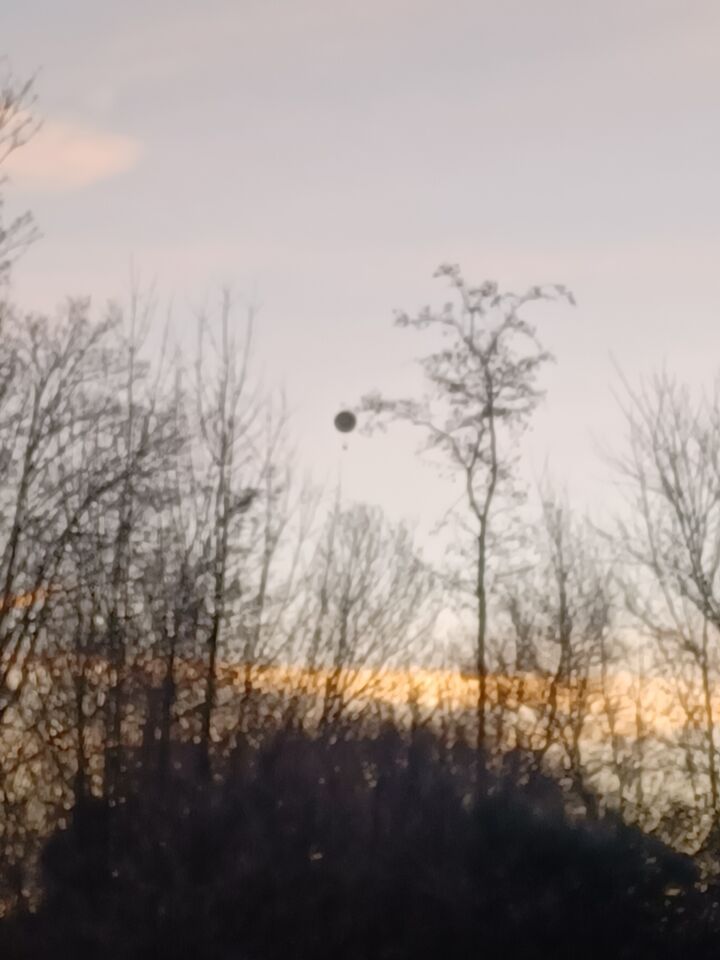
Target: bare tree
(367,613)
(560,612)
(671,538)
(60,395)
(68,468)
(227,414)
(17,125)
(483,391)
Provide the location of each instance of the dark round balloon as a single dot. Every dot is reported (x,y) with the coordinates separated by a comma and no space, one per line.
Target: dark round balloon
(345,421)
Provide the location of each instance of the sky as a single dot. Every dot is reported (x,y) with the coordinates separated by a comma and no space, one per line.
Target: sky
(322,157)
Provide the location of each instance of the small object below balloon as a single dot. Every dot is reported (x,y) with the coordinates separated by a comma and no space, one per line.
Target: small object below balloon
(345,421)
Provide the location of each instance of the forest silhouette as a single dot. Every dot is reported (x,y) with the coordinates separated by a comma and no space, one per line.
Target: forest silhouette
(231,724)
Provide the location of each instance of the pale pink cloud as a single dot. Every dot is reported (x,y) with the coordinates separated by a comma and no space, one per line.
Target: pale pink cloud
(67,156)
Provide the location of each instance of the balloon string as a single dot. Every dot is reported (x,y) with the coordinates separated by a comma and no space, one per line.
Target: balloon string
(341,463)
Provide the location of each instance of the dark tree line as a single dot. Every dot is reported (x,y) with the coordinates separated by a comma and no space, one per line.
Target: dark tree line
(361,847)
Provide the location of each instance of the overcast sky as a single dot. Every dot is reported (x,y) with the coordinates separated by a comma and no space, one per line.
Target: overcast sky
(324,156)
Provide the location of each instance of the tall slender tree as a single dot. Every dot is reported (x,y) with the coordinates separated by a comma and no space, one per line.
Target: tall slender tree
(483,389)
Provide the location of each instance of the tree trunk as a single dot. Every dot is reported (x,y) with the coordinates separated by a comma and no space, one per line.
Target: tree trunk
(480,643)
(709,723)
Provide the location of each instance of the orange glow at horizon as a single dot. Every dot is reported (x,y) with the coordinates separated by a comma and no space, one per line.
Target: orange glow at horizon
(653,705)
